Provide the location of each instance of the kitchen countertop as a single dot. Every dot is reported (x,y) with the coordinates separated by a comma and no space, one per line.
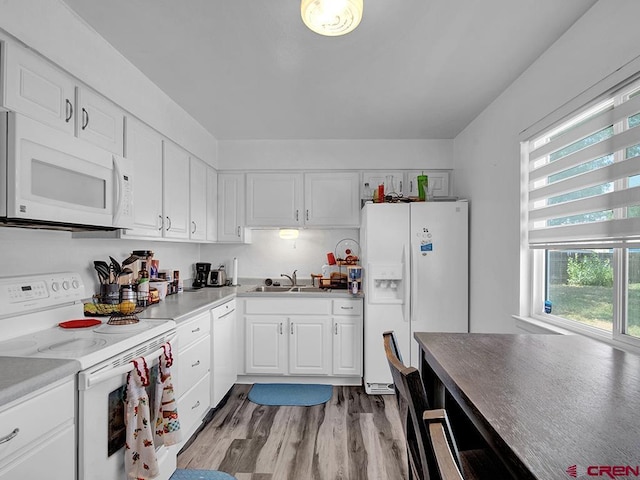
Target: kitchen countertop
(21,376)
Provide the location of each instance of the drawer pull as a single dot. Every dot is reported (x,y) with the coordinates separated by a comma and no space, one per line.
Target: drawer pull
(195,330)
(346,308)
(11,436)
(196,405)
(196,364)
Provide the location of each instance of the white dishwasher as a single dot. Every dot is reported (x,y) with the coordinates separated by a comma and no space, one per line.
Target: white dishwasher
(224,372)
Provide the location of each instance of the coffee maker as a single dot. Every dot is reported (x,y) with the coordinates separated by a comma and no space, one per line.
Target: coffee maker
(202,274)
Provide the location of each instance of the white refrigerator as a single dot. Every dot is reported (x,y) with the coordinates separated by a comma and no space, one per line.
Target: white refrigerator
(416,278)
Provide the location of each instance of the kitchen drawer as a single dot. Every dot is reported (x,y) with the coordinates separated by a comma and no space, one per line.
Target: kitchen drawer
(288,306)
(54,459)
(36,417)
(191,330)
(345,306)
(193,363)
(193,406)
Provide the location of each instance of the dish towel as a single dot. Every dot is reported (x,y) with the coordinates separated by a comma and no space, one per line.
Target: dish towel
(140,461)
(167,429)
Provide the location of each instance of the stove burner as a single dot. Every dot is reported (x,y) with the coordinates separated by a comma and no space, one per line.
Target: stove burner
(73,346)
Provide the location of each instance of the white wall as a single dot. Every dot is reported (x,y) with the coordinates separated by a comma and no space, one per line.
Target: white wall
(487,152)
(55,31)
(336,154)
(26,251)
(268,255)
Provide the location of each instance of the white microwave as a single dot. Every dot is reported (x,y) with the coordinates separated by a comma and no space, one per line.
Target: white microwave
(50,177)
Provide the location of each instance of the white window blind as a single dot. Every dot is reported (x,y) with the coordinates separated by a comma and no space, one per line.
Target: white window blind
(584,176)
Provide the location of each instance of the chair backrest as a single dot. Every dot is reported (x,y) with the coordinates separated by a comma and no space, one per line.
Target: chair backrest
(412,403)
(443,444)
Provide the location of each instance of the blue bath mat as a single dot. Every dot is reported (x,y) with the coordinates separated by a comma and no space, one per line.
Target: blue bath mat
(181,474)
(290,394)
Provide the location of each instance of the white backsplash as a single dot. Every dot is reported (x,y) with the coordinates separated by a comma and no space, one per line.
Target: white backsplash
(29,251)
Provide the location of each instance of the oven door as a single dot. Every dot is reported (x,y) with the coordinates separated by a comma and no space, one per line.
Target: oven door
(101,423)
(53,177)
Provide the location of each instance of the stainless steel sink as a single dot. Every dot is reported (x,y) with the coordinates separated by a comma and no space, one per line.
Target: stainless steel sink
(289,289)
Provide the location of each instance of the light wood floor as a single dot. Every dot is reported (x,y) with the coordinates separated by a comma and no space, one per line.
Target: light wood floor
(353,436)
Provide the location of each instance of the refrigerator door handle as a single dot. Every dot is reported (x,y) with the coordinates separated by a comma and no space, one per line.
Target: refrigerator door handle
(408,279)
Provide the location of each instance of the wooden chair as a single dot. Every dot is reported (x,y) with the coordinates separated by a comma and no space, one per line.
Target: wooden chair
(431,447)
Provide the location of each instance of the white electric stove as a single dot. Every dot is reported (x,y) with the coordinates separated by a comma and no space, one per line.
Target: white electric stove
(31,310)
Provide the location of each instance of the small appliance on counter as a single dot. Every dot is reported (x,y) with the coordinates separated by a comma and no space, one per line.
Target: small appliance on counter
(202,274)
(218,278)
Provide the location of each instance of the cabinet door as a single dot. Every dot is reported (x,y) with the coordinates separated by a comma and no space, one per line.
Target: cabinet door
(309,345)
(231,207)
(332,199)
(198,200)
(37,89)
(266,346)
(223,367)
(99,121)
(176,191)
(274,199)
(212,204)
(382,178)
(144,149)
(347,346)
(438,182)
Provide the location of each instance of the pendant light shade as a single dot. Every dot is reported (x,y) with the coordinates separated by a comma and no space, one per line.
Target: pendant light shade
(331,17)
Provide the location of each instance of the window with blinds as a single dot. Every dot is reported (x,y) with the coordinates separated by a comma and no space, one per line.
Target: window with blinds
(584,176)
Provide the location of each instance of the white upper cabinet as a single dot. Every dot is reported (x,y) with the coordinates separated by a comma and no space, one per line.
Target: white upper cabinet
(274,199)
(231,201)
(176,191)
(36,88)
(198,200)
(438,182)
(144,149)
(212,204)
(332,199)
(99,121)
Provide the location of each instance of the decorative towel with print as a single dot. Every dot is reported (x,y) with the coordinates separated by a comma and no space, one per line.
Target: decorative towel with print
(167,423)
(140,460)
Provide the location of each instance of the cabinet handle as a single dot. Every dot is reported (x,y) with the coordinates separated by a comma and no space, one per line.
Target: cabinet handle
(69,111)
(336,328)
(280,328)
(196,364)
(168,224)
(400,186)
(196,330)
(411,186)
(196,405)
(11,436)
(291,328)
(238,231)
(346,308)
(161,222)
(195,227)
(307,214)
(297,215)
(85,118)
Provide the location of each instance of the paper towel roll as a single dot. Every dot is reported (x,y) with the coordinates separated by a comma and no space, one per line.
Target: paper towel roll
(234,281)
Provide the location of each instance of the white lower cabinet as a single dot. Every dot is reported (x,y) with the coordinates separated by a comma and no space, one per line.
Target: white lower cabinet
(192,377)
(38,435)
(302,336)
(224,372)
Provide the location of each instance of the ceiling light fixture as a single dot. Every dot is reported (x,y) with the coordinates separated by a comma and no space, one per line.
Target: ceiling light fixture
(331,17)
(289,233)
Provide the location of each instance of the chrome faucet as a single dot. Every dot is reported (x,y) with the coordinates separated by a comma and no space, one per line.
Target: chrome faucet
(293,279)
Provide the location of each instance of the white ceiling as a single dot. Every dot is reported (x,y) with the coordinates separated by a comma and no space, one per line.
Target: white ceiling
(413,69)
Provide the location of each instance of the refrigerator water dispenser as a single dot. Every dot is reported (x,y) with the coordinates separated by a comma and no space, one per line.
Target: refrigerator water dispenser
(385,283)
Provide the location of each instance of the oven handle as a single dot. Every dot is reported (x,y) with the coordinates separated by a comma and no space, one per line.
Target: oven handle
(86,380)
